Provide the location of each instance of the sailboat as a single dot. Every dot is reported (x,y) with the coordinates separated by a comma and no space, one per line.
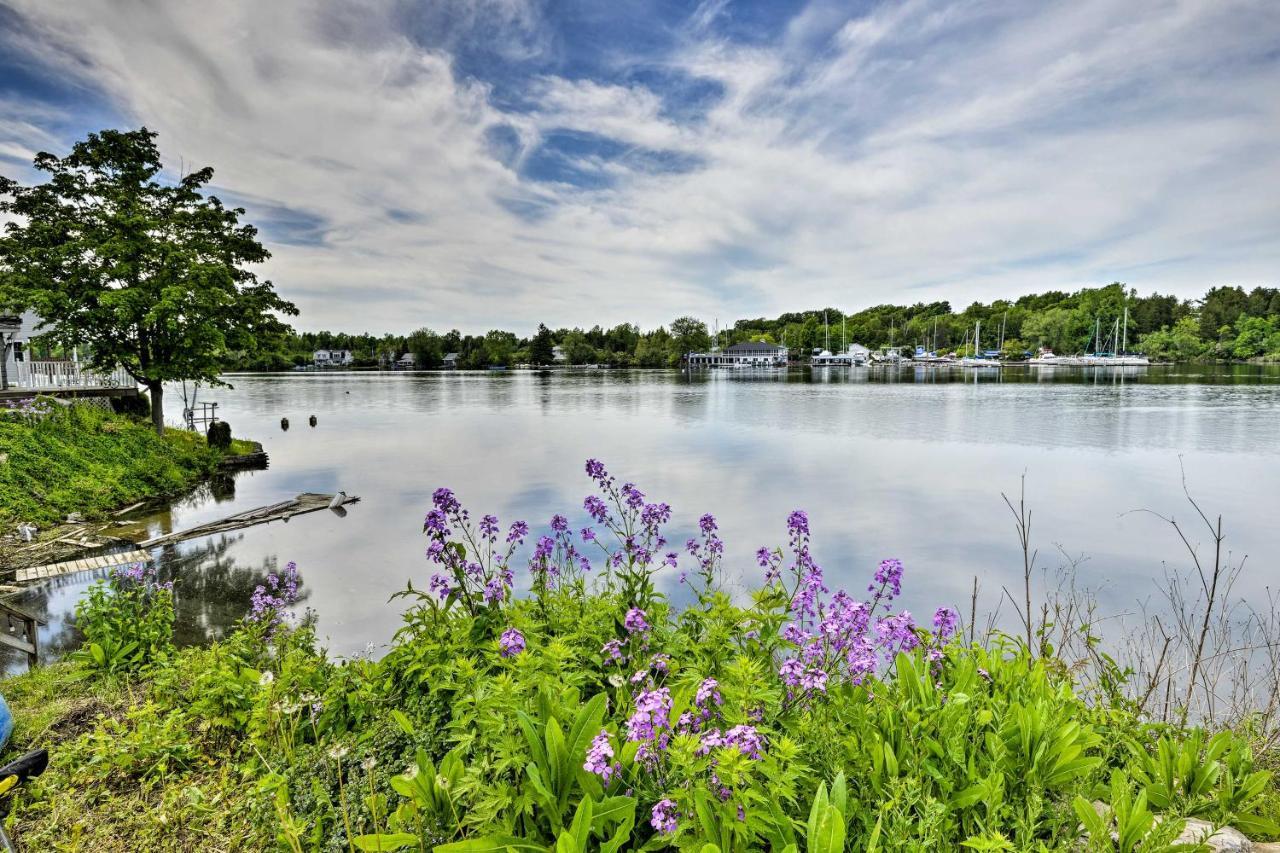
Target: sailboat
(977,360)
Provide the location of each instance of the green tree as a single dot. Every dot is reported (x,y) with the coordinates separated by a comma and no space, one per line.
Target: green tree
(541,347)
(427,348)
(690,335)
(1179,343)
(146,274)
(577,349)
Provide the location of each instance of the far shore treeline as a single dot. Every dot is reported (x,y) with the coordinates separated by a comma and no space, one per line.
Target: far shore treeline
(1227,323)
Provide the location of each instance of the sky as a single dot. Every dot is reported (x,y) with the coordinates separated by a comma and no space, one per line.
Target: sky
(480,164)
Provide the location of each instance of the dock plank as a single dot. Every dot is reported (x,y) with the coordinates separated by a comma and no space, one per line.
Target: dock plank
(68,567)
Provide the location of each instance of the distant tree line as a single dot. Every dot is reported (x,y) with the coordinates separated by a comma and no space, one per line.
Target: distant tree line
(1226,323)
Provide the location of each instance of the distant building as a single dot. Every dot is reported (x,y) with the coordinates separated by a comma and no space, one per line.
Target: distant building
(745,354)
(450,360)
(557,354)
(408,361)
(332,358)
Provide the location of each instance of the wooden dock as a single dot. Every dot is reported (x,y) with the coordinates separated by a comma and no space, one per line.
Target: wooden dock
(88,564)
(283,511)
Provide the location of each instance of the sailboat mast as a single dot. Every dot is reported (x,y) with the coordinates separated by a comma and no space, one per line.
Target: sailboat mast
(1124,341)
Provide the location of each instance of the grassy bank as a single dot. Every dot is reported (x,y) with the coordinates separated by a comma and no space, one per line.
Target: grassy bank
(87,460)
(589,713)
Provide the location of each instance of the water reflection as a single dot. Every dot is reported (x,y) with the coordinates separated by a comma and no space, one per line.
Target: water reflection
(907,463)
(211,593)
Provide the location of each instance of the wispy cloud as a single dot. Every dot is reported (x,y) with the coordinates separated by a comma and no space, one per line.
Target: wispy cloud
(485,162)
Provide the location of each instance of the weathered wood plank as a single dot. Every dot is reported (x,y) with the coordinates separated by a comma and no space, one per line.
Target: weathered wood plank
(50,570)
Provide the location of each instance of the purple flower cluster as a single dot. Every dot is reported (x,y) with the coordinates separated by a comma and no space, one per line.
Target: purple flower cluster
(841,637)
(745,738)
(487,578)
(511,643)
(650,724)
(599,758)
(270,601)
(635,621)
(664,818)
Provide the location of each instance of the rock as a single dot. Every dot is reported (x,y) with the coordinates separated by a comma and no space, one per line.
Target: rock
(1225,840)
(75,518)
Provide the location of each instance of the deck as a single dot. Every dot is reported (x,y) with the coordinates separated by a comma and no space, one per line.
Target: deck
(64,379)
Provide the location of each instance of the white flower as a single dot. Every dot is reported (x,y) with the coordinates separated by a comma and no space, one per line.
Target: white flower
(616,680)
(411,772)
(338,752)
(266,678)
(369,763)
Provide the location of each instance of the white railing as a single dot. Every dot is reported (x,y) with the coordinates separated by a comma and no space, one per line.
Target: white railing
(53,375)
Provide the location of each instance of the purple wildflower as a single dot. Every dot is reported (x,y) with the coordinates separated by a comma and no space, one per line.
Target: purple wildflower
(598,758)
(708,692)
(511,643)
(665,818)
(889,574)
(635,621)
(518,531)
(444,500)
(945,621)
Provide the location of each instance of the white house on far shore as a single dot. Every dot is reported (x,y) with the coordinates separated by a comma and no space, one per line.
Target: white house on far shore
(745,354)
(332,358)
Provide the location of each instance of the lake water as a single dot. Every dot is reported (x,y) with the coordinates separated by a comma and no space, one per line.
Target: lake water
(908,464)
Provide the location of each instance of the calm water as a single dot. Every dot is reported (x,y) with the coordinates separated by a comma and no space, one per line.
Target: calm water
(908,464)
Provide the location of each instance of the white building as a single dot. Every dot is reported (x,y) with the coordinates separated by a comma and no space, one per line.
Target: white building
(408,361)
(450,360)
(23,370)
(557,354)
(332,358)
(17,342)
(746,354)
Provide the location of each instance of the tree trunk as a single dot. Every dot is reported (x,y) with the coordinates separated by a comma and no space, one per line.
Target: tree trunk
(156,391)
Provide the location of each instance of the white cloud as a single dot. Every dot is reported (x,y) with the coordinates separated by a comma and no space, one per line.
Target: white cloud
(925,151)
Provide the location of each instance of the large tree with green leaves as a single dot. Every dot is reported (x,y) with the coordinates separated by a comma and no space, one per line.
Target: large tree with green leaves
(141,272)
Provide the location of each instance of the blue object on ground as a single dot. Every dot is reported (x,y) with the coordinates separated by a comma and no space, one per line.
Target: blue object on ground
(6,723)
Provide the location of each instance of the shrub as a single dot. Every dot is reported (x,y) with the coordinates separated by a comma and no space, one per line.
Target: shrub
(219,435)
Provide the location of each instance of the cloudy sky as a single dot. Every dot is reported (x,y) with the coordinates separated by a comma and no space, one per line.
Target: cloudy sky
(481,163)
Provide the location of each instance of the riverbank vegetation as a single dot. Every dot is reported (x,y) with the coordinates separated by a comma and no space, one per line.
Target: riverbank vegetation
(1227,323)
(60,459)
(593,712)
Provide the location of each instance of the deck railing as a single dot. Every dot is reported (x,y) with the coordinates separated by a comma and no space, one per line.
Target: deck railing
(54,375)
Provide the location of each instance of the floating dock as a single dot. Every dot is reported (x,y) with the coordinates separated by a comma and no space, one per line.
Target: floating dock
(88,564)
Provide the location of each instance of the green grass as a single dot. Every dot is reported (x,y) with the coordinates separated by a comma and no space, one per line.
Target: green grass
(86,460)
(210,807)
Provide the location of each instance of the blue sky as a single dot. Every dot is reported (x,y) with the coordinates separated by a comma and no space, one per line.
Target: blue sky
(482,163)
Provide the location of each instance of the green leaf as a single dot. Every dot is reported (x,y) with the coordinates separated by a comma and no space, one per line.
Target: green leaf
(405,724)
